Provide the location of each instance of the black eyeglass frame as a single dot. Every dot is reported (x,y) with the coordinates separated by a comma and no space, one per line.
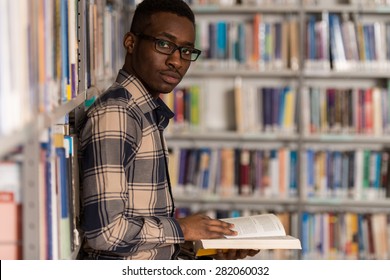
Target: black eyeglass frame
(175,47)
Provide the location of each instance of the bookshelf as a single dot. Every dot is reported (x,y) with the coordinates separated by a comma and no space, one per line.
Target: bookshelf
(67,52)
(312,208)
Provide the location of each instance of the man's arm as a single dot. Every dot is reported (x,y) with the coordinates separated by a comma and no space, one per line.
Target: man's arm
(106,152)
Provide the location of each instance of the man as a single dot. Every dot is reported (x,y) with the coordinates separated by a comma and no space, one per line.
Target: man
(128,208)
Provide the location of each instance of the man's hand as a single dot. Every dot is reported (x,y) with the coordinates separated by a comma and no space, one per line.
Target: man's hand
(199,226)
(233,254)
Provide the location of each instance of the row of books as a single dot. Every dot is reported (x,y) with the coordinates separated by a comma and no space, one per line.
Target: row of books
(325,235)
(186,103)
(342,44)
(360,174)
(270,109)
(240,2)
(58,171)
(347,235)
(58,198)
(246,108)
(227,172)
(346,110)
(356,174)
(43,74)
(370,2)
(104,26)
(46,36)
(282,2)
(256,43)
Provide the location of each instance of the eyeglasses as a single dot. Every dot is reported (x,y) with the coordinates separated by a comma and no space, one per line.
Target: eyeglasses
(167,47)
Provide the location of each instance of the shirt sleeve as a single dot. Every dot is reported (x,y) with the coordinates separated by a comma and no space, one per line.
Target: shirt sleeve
(109,141)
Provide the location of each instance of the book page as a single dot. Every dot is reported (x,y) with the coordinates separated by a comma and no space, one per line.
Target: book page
(257,226)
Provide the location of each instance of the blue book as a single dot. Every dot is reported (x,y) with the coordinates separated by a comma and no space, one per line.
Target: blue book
(267,54)
(49,197)
(310,173)
(278,41)
(63,182)
(371,42)
(267,108)
(192,166)
(282,106)
(337,165)
(329,171)
(366,35)
(387,40)
(182,164)
(64,51)
(311,38)
(293,172)
(242,57)
(360,237)
(344,171)
(377,176)
(305,239)
(221,40)
(212,40)
(275,107)
(351,171)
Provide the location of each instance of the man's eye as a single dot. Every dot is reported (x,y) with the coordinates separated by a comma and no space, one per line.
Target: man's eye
(186,51)
(164,44)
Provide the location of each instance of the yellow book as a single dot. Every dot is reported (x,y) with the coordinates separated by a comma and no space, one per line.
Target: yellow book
(361,42)
(195,106)
(294,44)
(289,111)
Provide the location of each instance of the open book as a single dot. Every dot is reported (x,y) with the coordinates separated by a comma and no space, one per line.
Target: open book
(254,232)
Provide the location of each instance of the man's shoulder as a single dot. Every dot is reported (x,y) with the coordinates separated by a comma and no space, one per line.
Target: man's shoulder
(115,96)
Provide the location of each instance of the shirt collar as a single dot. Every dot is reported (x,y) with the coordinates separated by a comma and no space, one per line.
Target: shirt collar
(141,95)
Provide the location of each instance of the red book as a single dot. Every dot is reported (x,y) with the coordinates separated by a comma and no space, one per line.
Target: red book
(10,227)
(179,105)
(245,186)
(368,112)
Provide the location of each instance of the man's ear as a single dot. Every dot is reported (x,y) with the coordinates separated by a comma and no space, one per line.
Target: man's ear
(128,42)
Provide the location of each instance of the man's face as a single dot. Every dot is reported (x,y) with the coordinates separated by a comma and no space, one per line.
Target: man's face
(160,73)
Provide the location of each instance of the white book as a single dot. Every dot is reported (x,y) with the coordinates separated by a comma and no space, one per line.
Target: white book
(306,111)
(336,43)
(380,44)
(377,118)
(73,46)
(256,232)
(358,189)
(252,110)
(214,170)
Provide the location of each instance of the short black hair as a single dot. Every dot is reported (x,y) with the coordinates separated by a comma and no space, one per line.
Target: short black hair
(147,8)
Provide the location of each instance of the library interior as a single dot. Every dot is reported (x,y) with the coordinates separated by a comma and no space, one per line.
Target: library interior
(285,112)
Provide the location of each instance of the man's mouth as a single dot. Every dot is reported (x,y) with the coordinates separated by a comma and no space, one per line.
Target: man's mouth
(171,77)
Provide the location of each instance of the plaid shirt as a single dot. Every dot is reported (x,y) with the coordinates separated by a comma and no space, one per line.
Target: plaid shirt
(127,206)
